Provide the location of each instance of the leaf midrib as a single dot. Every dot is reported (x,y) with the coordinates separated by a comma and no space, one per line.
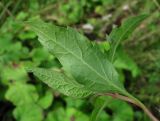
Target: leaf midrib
(121,90)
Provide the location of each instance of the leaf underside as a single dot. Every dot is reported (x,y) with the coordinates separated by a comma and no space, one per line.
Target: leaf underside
(61,82)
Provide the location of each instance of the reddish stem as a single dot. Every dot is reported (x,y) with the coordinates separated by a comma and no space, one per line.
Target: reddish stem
(133,101)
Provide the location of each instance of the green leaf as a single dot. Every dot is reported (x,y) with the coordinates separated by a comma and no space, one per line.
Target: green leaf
(28,112)
(56,115)
(104,46)
(60,114)
(26,35)
(72,113)
(123,61)
(123,32)
(46,100)
(20,94)
(61,82)
(78,103)
(121,110)
(99,106)
(39,55)
(20,75)
(86,63)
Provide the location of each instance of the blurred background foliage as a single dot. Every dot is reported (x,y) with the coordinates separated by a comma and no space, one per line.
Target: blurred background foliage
(24,98)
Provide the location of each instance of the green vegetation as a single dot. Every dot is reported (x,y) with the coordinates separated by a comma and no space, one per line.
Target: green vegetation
(104,58)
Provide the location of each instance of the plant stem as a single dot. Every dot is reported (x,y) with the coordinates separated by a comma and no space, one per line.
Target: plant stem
(145,109)
(133,100)
(156,3)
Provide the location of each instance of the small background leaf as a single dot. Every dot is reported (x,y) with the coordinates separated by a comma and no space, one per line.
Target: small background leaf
(46,100)
(28,112)
(123,32)
(20,94)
